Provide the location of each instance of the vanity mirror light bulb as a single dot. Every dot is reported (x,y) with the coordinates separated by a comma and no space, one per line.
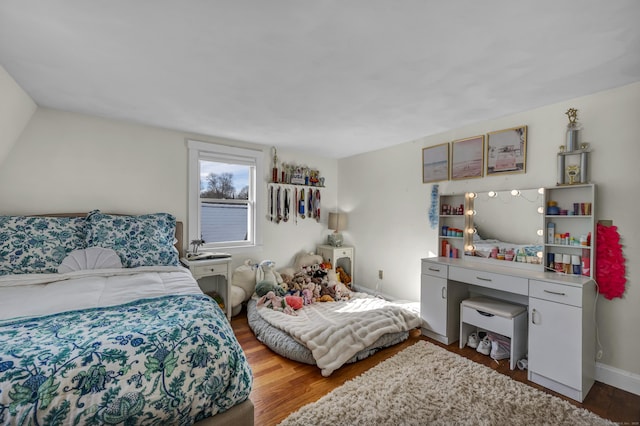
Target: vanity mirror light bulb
(471,212)
(471,230)
(540,191)
(492,194)
(540,232)
(515,192)
(471,195)
(540,209)
(470,248)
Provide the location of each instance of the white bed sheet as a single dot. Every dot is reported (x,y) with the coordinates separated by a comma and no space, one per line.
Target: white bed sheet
(44,294)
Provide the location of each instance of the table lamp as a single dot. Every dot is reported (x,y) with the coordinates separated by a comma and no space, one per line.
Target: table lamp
(337,222)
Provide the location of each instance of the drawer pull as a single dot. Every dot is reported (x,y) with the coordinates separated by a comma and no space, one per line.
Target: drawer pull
(484,279)
(557,293)
(434,269)
(533,317)
(485,314)
(443,293)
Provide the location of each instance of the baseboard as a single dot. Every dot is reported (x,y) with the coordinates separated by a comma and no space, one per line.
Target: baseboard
(373,292)
(618,378)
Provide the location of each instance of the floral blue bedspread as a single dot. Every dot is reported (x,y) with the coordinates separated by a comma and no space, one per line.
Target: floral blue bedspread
(169,360)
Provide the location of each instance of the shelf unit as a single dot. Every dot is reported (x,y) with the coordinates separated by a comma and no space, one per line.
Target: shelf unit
(452,215)
(578,226)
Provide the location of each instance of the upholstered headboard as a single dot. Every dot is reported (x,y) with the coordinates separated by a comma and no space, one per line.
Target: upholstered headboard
(179,228)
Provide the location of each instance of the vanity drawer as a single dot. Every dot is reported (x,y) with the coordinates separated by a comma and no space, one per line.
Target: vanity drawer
(434,269)
(507,283)
(554,292)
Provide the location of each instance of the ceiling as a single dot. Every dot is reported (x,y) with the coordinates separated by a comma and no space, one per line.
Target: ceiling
(329,77)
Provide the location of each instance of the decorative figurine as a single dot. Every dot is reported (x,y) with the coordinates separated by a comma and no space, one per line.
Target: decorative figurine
(196,244)
(572,172)
(572,113)
(275,165)
(573,129)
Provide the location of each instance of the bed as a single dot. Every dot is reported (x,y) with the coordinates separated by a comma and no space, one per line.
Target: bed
(329,334)
(99,324)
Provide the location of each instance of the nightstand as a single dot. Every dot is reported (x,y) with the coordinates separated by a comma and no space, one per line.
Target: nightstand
(204,270)
(338,256)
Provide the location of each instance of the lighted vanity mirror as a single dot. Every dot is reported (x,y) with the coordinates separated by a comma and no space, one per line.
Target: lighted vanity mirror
(506,227)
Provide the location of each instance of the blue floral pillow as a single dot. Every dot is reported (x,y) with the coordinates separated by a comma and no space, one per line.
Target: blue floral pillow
(145,240)
(38,244)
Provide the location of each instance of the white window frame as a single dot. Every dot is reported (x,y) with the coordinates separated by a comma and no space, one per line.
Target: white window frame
(223,153)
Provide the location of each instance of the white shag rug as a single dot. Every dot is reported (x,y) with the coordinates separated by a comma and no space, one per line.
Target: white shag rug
(428,385)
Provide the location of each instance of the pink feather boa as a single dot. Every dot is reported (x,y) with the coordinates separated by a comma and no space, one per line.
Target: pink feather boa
(610,268)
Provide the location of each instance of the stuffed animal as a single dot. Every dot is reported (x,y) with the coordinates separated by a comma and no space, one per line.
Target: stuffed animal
(342,292)
(315,289)
(244,276)
(344,277)
(319,271)
(277,303)
(328,290)
(299,281)
(332,277)
(306,259)
(266,272)
(307,296)
(264,287)
(287,282)
(326,298)
(296,302)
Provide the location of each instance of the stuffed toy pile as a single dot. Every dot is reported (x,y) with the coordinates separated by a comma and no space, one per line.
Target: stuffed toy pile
(310,280)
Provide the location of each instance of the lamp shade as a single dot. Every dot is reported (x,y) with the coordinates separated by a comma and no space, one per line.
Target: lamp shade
(337,221)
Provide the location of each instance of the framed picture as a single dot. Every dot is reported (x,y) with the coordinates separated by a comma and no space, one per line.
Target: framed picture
(435,163)
(507,151)
(467,158)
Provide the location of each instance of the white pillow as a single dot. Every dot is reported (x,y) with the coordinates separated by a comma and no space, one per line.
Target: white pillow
(90,258)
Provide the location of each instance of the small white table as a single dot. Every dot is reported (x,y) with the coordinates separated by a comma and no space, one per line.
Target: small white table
(334,255)
(201,269)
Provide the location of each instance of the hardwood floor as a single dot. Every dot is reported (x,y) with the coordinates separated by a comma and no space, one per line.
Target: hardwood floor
(282,386)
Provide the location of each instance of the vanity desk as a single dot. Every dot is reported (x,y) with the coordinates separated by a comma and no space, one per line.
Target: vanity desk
(561,330)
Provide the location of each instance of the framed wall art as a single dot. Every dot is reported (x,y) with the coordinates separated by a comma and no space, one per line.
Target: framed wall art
(435,163)
(507,151)
(467,158)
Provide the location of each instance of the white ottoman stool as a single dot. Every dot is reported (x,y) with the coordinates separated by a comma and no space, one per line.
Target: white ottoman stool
(498,316)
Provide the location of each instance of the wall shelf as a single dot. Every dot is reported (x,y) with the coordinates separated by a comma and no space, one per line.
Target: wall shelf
(457,221)
(576,225)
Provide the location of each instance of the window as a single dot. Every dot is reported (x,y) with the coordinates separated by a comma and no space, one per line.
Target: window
(223,198)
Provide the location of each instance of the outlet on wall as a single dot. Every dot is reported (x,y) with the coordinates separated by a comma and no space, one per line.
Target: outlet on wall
(380,274)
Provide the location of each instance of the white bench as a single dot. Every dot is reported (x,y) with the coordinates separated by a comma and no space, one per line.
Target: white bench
(500,317)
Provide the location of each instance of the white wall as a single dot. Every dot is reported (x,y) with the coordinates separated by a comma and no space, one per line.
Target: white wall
(16,109)
(66,162)
(388,204)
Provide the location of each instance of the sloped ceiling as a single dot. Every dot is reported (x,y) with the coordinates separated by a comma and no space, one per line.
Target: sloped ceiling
(331,77)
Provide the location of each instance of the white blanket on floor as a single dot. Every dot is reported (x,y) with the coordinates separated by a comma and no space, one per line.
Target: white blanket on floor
(336,331)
